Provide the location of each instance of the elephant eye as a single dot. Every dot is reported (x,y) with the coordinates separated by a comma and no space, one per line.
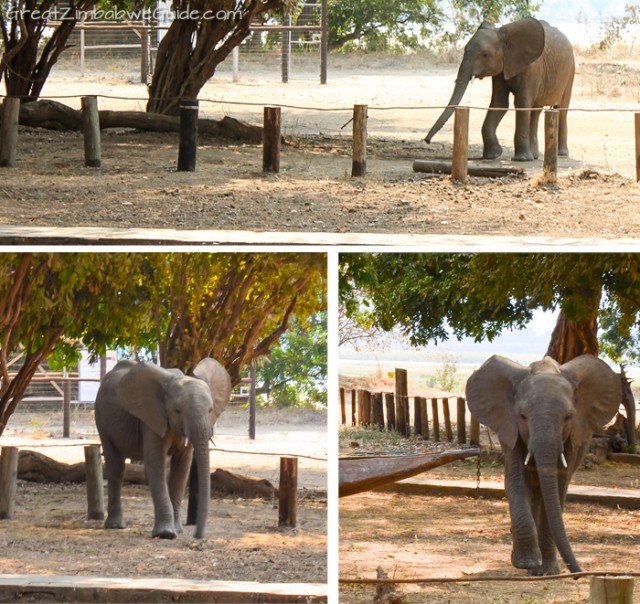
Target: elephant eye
(523,417)
(568,417)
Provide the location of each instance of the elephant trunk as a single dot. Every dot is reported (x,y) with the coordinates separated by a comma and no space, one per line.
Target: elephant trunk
(462,81)
(201,456)
(548,476)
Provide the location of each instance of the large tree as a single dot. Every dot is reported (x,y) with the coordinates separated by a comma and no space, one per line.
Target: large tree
(232,306)
(431,296)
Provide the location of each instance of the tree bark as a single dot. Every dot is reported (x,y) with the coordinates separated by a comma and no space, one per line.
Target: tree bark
(570,339)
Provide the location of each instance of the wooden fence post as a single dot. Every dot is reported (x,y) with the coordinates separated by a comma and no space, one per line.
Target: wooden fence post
(424,418)
(360,418)
(550,164)
(611,590)
(417,416)
(66,409)
(9,132)
(288,492)
(95,488)
(286,51)
(91,131)
(401,401)
(637,132)
(377,411)
(359,160)
(474,437)
(460,160)
(271,139)
(461,421)
(366,408)
(447,419)
(188,135)
(8,481)
(436,419)
(353,408)
(343,409)
(391,411)
(145,54)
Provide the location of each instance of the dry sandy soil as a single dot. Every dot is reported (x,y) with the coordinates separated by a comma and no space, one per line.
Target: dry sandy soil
(51,535)
(138,186)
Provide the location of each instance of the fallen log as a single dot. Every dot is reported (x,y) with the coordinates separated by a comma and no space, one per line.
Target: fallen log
(441,167)
(360,473)
(36,467)
(57,116)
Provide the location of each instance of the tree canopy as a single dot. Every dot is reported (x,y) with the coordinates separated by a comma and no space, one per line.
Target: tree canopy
(231,306)
(431,296)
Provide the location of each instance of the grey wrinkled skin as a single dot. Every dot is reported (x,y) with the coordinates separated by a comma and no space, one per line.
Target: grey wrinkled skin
(528,59)
(164,418)
(541,414)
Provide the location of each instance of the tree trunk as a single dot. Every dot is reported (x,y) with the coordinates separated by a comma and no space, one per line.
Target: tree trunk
(570,339)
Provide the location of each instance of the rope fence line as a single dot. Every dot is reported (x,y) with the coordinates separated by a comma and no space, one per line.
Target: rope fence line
(211,449)
(477,579)
(327,109)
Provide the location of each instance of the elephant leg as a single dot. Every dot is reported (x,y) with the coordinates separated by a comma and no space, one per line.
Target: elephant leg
(533,133)
(497,110)
(563,148)
(548,548)
(178,476)
(522,140)
(155,461)
(114,469)
(526,551)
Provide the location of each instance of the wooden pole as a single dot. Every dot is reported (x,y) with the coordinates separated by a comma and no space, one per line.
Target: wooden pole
(252,401)
(377,409)
(401,396)
(460,145)
(474,437)
(343,409)
(417,416)
(9,132)
(188,135)
(436,419)
(91,131)
(353,407)
(637,131)
(235,62)
(360,417)
(461,420)
(424,418)
(324,41)
(192,506)
(366,408)
(8,482)
(447,419)
(144,55)
(288,492)
(95,488)
(550,164)
(271,139)
(286,51)
(391,411)
(66,409)
(430,166)
(359,161)
(611,590)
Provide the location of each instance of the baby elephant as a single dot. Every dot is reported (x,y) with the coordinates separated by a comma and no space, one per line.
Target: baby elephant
(145,412)
(544,416)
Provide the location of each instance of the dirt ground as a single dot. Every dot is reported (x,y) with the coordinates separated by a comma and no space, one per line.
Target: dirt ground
(51,535)
(138,186)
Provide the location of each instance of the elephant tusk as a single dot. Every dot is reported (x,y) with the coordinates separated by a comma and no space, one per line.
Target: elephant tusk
(186,441)
(527,458)
(563,459)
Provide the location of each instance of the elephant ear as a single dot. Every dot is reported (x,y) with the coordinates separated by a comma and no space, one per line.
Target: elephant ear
(523,43)
(490,395)
(598,394)
(143,391)
(217,378)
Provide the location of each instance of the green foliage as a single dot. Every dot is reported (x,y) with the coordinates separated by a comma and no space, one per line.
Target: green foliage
(430,296)
(294,374)
(380,25)
(447,372)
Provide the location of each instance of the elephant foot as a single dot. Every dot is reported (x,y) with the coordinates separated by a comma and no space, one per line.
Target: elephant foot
(563,151)
(526,559)
(492,152)
(114,522)
(548,567)
(164,533)
(523,156)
